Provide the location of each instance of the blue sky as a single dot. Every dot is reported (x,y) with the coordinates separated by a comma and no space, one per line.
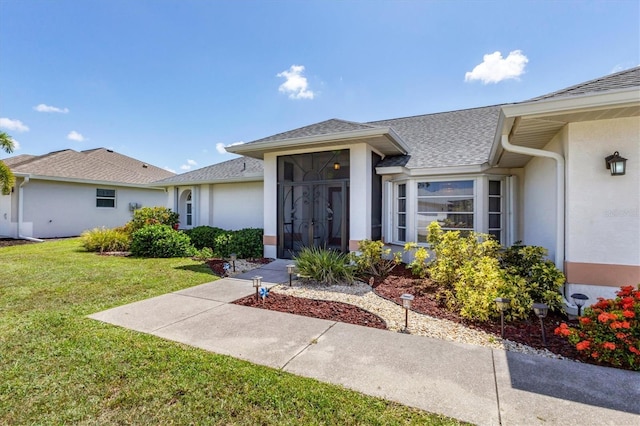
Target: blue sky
(169,82)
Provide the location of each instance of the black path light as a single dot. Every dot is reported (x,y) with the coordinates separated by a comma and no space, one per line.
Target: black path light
(233,258)
(257,282)
(541,310)
(503,304)
(616,164)
(579,299)
(290,270)
(406,304)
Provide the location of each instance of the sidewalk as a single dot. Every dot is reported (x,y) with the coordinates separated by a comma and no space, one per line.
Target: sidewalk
(471,383)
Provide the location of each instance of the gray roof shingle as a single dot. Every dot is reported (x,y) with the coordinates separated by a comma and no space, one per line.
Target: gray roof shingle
(93,165)
(455,138)
(242,168)
(327,127)
(620,80)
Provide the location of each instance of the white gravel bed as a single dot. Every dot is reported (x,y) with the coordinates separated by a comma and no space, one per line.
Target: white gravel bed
(361,295)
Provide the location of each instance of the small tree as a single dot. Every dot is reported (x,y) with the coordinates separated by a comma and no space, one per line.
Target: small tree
(7,179)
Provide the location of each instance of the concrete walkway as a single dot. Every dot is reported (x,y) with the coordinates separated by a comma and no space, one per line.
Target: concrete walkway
(471,383)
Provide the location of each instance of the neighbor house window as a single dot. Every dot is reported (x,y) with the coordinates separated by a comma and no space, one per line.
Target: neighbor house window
(496,227)
(105,197)
(401,212)
(450,203)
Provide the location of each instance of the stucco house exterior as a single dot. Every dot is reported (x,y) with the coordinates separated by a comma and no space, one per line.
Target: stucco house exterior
(62,193)
(532,171)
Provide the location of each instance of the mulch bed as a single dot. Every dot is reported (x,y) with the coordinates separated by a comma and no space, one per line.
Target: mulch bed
(527,332)
(334,311)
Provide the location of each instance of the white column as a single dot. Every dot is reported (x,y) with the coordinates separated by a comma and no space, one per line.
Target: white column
(270,204)
(360,194)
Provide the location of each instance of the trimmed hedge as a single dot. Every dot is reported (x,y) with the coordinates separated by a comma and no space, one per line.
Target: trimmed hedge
(160,241)
(245,243)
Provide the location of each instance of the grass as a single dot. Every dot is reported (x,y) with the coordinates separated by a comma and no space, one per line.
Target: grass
(59,367)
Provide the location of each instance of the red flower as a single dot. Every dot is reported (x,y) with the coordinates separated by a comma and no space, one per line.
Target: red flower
(627,303)
(581,346)
(595,355)
(625,291)
(563,330)
(625,324)
(585,320)
(609,345)
(634,350)
(620,336)
(606,316)
(628,314)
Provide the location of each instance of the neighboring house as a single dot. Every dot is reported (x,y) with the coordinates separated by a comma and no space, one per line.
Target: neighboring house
(532,171)
(63,193)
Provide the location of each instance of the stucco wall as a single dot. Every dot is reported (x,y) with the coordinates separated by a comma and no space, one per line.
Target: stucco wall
(539,198)
(237,205)
(603,211)
(61,209)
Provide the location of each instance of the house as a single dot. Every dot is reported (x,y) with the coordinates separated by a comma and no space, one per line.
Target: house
(62,193)
(532,171)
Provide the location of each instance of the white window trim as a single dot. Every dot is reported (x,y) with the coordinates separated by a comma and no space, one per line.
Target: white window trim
(114,198)
(480,205)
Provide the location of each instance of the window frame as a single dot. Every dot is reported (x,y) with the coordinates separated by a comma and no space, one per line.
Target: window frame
(104,197)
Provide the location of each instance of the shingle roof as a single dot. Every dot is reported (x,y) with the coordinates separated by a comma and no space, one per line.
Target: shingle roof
(93,165)
(620,80)
(455,138)
(242,168)
(327,127)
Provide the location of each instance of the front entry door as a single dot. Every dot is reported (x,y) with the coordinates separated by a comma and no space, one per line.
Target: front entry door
(312,214)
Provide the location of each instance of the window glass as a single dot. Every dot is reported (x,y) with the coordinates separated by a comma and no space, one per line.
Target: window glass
(401,212)
(495,209)
(105,197)
(450,203)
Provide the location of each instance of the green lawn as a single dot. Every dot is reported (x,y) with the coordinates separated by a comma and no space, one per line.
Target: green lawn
(57,366)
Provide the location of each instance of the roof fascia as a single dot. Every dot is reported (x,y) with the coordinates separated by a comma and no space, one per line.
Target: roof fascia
(433,171)
(259,178)
(612,98)
(246,149)
(85,181)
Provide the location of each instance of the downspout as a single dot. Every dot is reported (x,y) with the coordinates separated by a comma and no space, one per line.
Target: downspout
(21,211)
(559,254)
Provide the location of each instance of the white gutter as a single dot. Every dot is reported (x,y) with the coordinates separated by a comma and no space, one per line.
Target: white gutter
(21,211)
(560,207)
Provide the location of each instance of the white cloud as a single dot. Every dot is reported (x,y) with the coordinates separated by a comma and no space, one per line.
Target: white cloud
(169,169)
(16,144)
(296,84)
(48,108)
(220,147)
(13,125)
(192,162)
(75,136)
(185,167)
(494,68)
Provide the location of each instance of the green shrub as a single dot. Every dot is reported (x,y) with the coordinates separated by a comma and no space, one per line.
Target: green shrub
(203,254)
(104,239)
(419,264)
(452,250)
(152,216)
(160,241)
(473,272)
(374,259)
(609,331)
(204,236)
(325,266)
(543,279)
(245,243)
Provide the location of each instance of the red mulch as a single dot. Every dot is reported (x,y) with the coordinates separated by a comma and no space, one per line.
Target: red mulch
(334,311)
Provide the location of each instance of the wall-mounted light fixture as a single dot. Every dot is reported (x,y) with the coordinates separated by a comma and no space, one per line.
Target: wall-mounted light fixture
(336,166)
(616,163)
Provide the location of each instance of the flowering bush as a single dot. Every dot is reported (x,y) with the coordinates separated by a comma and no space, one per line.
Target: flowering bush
(609,331)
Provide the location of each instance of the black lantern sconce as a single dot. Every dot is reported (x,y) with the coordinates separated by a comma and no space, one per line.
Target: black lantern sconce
(616,164)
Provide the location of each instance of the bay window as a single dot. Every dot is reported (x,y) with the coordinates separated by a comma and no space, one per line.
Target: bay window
(450,203)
